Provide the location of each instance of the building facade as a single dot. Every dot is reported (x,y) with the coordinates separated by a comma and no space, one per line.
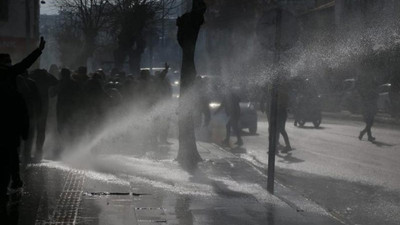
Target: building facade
(19,27)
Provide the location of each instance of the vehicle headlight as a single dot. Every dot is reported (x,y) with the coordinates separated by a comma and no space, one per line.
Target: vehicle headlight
(214,105)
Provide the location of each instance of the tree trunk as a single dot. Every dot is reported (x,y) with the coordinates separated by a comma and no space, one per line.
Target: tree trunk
(188,29)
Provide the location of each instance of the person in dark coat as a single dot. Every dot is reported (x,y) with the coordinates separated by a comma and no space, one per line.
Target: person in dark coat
(95,98)
(30,92)
(368,90)
(164,95)
(81,76)
(44,82)
(14,120)
(202,104)
(230,103)
(69,94)
(282,107)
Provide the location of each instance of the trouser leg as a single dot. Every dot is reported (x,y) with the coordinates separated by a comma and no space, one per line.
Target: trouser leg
(228,130)
(28,144)
(235,127)
(15,167)
(41,135)
(370,123)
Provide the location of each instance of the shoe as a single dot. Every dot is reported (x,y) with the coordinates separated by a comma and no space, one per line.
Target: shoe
(239,142)
(288,148)
(361,135)
(371,139)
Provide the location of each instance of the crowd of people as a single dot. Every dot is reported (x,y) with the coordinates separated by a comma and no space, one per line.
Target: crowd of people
(84,102)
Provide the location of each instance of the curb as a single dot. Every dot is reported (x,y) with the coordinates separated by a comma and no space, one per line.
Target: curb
(293,199)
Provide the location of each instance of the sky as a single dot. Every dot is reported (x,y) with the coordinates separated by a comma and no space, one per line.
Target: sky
(48,8)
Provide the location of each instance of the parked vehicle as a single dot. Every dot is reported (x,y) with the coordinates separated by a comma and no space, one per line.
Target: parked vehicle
(248,114)
(350,98)
(384,103)
(308,109)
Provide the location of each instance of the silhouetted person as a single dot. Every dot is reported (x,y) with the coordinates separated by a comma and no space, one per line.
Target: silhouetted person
(44,82)
(53,70)
(147,94)
(68,106)
(95,98)
(367,88)
(202,104)
(283,102)
(30,92)
(14,120)
(81,76)
(230,103)
(164,95)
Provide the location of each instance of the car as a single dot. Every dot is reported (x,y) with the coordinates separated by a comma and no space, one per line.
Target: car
(248,117)
(350,99)
(384,103)
(248,113)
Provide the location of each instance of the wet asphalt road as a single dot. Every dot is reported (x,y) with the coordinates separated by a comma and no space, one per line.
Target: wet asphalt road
(355,181)
(358,181)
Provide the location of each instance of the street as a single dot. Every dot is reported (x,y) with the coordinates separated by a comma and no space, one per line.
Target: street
(357,180)
(346,181)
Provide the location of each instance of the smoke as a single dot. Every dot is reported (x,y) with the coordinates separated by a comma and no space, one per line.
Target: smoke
(329,40)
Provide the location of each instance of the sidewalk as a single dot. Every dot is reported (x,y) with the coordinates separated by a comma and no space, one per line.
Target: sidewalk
(57,194)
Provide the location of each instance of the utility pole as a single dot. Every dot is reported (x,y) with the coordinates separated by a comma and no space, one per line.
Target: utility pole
(273,122)
(278,31)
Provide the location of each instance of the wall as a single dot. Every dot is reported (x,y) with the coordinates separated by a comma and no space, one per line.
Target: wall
(19,27)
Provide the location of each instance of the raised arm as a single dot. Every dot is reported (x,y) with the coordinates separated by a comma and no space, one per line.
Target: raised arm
(30,59)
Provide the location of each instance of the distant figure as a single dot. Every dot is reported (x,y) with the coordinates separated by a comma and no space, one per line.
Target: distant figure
(81,76)
(146,93)
(230,103)
(68,105)
(202,104)
(95,99)
(44,81)
(15,122)
(283,102)
(164,95)
(368,89)
(53,70)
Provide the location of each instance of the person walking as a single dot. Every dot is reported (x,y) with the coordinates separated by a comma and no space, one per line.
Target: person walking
(282,114)
(44,82)
(30,93)
(68,108)
(368,90)
(231,105)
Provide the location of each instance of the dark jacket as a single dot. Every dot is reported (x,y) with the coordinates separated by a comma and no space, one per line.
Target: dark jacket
(14,113)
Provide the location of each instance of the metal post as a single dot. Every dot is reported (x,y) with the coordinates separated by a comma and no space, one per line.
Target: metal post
(273,123)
